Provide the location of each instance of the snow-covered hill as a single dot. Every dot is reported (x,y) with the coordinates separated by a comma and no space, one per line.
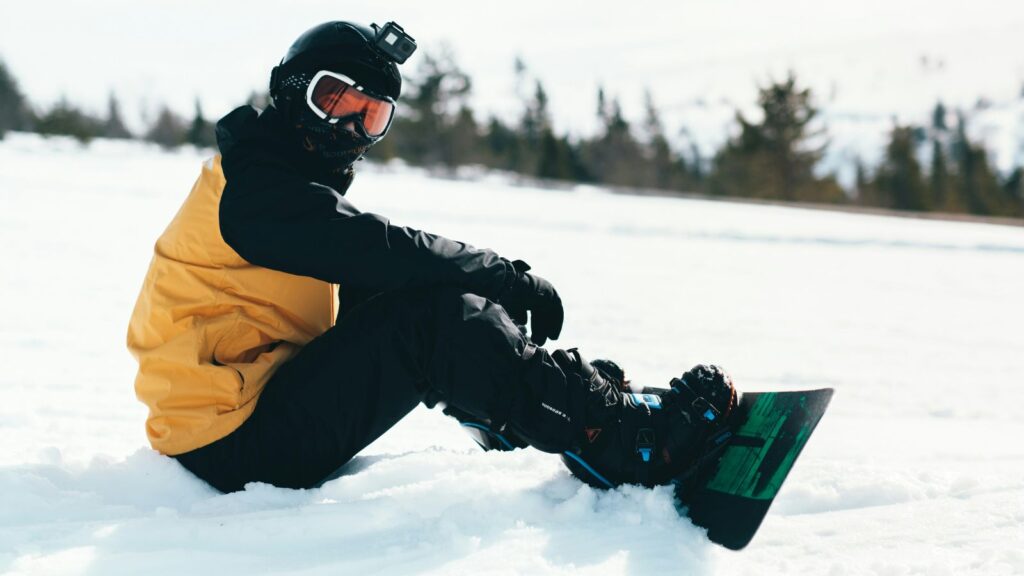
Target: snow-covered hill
(916,469)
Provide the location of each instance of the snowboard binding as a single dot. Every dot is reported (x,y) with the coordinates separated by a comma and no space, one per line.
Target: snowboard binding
(660,434)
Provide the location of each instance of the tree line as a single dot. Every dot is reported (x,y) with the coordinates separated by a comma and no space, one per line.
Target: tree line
(923,168)
(65,118)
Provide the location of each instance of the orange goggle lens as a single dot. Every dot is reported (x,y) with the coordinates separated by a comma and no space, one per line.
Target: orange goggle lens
(336,99)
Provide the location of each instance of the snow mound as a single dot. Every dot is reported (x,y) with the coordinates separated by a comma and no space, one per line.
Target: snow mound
(433,510)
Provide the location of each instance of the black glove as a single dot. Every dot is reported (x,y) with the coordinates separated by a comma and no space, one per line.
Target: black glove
(535,294)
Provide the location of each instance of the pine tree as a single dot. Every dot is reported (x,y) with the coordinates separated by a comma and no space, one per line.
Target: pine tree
(863,185)
(534,125)
(603,110)
(1014,187)
(775,158)
(899,181)
(555,157)
(113,126)
(940,181)
(614,156)
(462,139)
(201,132)
(939,117)
(15,113)
(437,93)
(502,145)
(169,130)
(693,165)
(67,119)
(976,182)
(664,170)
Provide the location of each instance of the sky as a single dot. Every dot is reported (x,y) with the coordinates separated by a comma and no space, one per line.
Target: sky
(701,59)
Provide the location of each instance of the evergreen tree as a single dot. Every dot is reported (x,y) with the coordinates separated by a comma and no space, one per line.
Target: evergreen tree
(201,132)
(976,182)
(604,114)
(939,117)
(614,156)
(15,113)
(534,129)
(692,163)
(1014,187)
(502,145)
(555,157)
(940,181)
(775,158)
(864,187)
(66,119)
(536,118)
(462,139)
(664,171)
(899,181)
(113,126)
(437,93)
(169,130)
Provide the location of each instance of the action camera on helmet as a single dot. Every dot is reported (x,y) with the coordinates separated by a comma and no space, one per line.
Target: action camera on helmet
(393,42)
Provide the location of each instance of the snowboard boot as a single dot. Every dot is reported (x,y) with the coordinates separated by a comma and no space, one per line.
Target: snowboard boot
(647,438)
(551,414)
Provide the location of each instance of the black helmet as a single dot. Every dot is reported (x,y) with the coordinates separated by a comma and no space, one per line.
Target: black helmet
(344,48)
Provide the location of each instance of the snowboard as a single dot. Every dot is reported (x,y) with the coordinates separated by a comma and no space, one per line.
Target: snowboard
(731,489)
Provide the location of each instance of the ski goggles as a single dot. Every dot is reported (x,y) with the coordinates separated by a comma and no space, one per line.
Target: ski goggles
(335,98)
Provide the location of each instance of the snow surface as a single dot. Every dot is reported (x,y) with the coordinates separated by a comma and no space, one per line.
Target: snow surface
(918,468)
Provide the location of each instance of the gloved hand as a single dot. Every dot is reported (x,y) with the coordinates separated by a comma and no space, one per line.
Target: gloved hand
(536,295)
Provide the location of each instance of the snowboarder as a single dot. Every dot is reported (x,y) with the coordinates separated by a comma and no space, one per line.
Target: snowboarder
(253,372)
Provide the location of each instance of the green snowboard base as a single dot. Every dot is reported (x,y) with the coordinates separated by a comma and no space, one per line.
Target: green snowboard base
(731,492)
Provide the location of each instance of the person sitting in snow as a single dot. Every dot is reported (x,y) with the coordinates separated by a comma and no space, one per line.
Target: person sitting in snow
(253,372)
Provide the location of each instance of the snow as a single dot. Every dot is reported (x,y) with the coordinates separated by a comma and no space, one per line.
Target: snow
(916,469)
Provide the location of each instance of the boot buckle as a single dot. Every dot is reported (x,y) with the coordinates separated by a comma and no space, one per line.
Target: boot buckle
(706,410)
(645,443)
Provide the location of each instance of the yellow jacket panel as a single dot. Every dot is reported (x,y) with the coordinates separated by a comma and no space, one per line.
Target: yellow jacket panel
(209,329)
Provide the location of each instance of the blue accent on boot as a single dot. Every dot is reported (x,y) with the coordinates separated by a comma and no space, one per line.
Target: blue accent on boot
(653,401)
(508,445)
(592,472)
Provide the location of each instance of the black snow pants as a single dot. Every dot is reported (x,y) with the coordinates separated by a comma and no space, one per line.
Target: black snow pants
(383,357)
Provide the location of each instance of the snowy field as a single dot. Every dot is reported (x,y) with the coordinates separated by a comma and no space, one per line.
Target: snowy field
(918,468)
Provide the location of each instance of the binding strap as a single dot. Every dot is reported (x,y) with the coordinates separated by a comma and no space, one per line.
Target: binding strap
(646,439)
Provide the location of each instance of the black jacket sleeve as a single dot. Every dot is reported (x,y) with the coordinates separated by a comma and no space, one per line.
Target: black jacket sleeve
(275,218)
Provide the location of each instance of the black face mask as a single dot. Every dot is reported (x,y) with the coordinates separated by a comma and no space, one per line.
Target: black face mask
(325,151)
(328,148)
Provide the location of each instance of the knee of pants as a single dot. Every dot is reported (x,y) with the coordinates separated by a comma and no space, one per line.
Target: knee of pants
(470,313)
(477,364)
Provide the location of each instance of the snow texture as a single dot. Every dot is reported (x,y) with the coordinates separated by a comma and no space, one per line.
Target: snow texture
(917,468)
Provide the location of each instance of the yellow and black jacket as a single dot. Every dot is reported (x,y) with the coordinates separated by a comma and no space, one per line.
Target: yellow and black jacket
(246,274)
